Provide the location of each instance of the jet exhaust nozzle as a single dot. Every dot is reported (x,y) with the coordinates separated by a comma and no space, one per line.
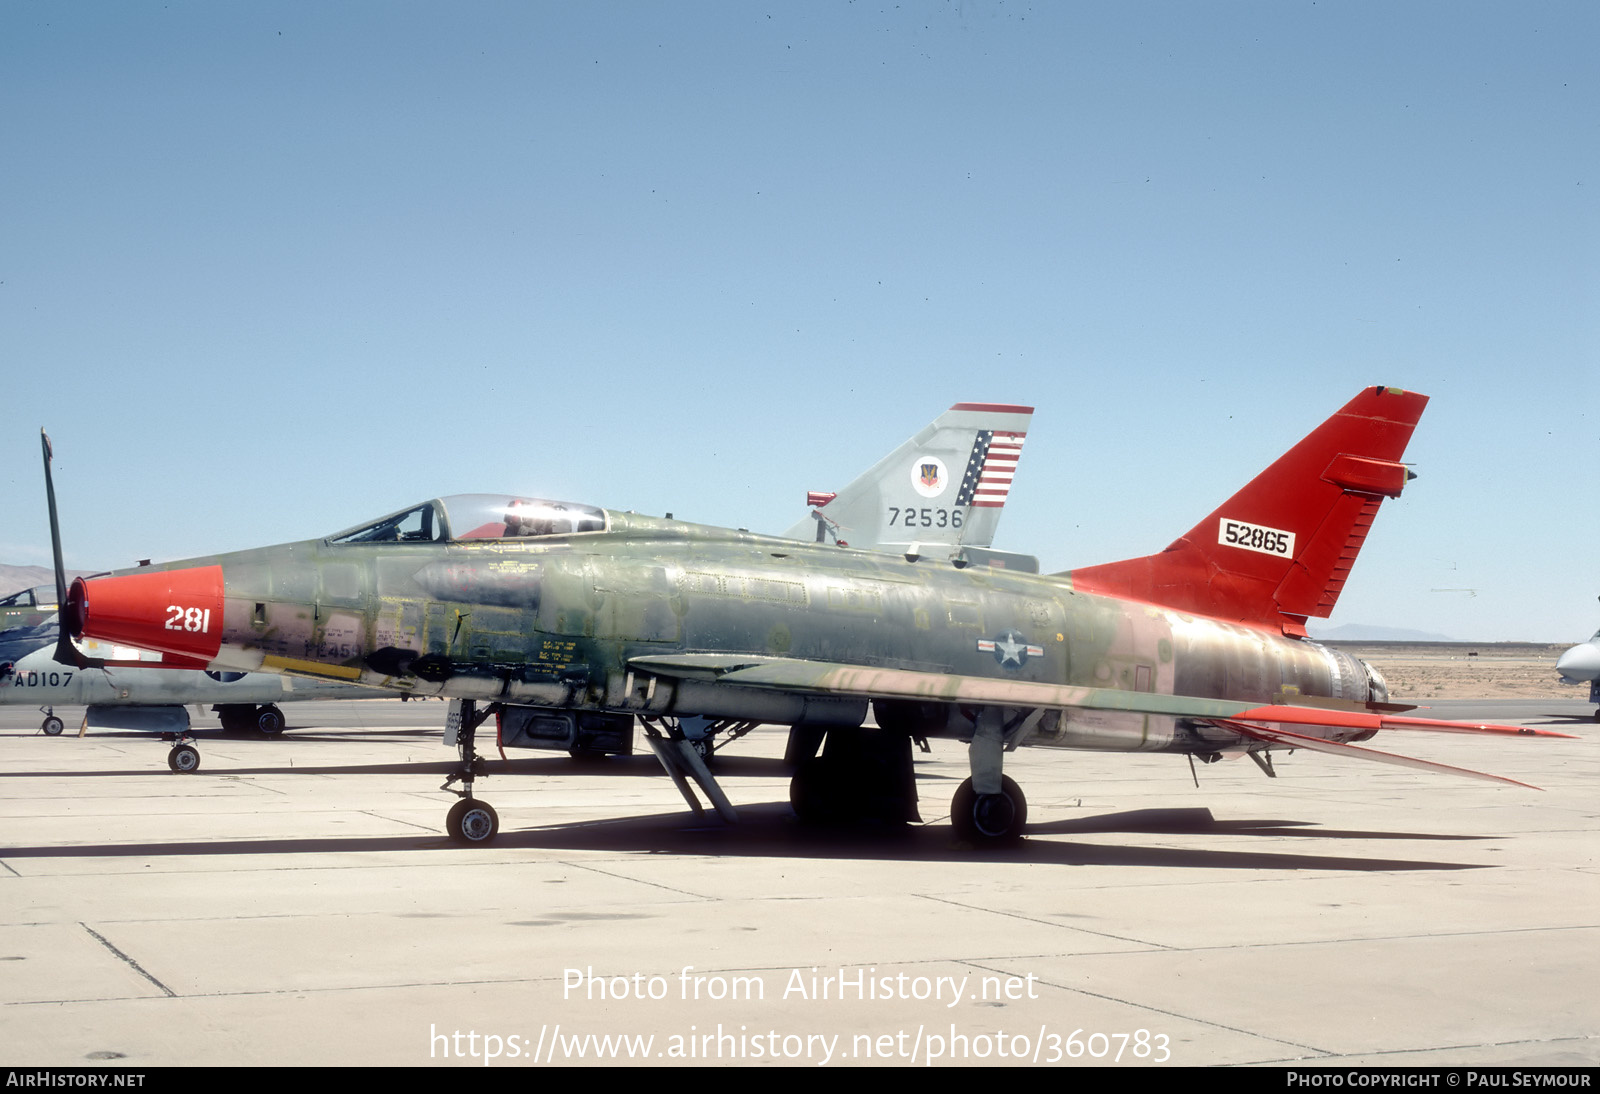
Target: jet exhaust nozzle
(167,611)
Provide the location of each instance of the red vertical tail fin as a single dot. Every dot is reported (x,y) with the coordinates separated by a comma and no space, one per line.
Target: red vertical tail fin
(1280,549)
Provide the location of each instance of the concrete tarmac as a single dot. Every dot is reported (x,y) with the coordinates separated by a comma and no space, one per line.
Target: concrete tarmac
(295,902)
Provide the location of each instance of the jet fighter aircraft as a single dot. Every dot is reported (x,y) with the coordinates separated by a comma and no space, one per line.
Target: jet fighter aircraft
(551,614)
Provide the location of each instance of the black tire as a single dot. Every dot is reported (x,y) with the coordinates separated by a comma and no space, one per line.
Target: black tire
(184,759)
(989,820)
(270,720)
(52,726)
(472,822)
(815,793)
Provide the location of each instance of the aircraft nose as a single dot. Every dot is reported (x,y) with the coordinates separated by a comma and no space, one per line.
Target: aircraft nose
(166,611)
(1580,662)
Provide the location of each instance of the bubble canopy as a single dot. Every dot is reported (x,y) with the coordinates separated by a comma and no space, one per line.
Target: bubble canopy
(463,518)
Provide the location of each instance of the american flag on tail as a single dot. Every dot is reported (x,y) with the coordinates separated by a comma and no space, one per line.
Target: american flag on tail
(990,469)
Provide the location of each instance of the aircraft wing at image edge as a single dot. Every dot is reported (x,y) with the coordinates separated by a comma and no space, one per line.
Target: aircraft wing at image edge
(1581,665)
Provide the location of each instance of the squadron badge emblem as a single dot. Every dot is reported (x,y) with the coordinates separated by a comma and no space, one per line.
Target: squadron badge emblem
(928,476)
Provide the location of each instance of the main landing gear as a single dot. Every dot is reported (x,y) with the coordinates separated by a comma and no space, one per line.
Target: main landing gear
(240,717)
(988,809)
(989,820)
(469,821)
(866,774)
(860,775)
(52,725)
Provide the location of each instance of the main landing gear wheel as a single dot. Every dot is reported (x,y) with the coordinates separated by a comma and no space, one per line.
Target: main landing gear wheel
(472,821)
(816,795)
(989,820)
(184,759)
(52,726)
(270,720)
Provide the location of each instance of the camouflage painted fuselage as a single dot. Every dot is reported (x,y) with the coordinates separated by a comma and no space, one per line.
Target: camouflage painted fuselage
(556,622)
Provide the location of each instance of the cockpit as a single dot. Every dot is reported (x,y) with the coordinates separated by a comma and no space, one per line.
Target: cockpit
(464,518)
(41,596)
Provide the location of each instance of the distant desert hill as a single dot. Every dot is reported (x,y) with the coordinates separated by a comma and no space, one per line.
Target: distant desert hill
(1364,632)
(16,578)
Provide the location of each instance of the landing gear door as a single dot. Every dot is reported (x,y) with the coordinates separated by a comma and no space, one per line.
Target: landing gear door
(452,724)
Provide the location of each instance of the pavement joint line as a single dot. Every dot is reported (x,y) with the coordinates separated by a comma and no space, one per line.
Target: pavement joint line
(1359,939)
(641,881)
(1385,1052)
(130,962)
(261,992)
(8,866)
(1187,1017)
(397,820)
(1142,943)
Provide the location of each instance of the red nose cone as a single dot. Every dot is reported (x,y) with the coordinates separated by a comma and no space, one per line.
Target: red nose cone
(168,611)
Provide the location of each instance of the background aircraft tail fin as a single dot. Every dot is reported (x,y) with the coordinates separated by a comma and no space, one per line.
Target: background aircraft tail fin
(1280,549)
(940,491)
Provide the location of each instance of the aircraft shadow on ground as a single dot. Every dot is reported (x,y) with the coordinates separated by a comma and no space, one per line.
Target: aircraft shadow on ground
(635,766)
(770,830)
(1199,821)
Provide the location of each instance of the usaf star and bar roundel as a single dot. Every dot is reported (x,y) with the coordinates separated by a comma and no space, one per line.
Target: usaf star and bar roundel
(1010,649)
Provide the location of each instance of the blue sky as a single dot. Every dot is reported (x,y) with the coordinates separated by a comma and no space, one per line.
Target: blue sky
(268,270)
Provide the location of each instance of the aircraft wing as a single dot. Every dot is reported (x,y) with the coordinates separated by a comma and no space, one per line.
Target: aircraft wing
(1356,752)
(793,674)
(1255,721)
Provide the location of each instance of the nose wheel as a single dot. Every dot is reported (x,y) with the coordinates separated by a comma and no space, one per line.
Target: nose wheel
(469,821)
(184,759)
(472,822)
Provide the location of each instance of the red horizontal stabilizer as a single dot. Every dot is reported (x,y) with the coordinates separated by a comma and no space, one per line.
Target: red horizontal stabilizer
(1355,752)
(1361,720)
(1280,549)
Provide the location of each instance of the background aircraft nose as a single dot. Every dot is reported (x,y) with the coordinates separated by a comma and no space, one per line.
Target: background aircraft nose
(1580,662)
(167,611)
